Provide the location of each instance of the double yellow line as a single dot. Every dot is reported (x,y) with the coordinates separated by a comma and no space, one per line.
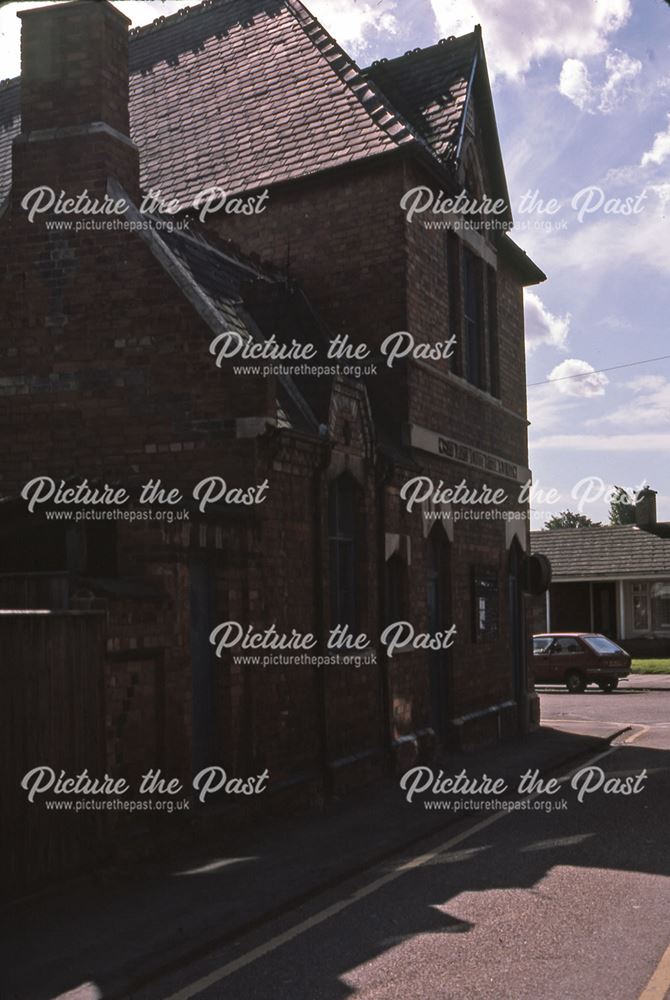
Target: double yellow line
(659,984)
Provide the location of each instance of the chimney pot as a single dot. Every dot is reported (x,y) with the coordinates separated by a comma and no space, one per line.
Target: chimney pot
(74,66)
(74,101)
(645,508)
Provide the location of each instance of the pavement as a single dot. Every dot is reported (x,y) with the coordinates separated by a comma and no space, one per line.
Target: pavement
(567,903)
(647,682)
(127,928)
(634,682)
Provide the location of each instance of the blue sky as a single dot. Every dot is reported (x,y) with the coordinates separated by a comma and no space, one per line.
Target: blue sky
(582,96)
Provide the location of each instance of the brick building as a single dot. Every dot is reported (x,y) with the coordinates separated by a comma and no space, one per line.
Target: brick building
(613,579)
(107,374)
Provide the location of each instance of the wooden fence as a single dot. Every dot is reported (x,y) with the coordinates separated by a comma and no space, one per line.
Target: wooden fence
(51,714)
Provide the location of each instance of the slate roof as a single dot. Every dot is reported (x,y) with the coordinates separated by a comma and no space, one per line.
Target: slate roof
(242,94)
(429,87)
(219,269)
(256,299)
(437,89)
(231,280)
(247,93)
(614,552)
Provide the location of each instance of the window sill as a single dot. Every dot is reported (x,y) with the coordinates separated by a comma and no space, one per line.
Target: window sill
(462,383)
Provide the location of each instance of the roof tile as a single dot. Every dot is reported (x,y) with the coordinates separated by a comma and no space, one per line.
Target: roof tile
(615,551)
(248,93)
(429,87)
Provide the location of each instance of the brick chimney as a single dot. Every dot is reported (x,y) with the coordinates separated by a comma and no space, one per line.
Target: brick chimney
(74,100)
(645,508)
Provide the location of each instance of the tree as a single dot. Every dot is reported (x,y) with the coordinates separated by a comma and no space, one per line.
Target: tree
(568,519)
(622,506)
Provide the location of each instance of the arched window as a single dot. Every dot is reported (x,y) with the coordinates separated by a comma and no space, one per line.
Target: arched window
(343,551)
(397,587)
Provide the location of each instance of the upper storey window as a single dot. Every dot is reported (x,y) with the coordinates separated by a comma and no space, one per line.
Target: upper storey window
(472,319)
(473,316)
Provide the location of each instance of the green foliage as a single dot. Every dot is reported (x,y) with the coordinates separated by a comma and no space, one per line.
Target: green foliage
(568,519)
(622,507)
(651,666)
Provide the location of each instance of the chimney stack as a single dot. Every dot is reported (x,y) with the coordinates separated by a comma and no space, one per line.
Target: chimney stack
(74,99)
(645,508)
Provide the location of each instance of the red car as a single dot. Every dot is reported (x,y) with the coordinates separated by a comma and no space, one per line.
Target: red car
(577,659)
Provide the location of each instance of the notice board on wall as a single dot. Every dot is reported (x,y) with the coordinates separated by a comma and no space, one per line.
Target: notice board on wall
(486,604)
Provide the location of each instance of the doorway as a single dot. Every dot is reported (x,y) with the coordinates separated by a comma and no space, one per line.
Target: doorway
(604,609)
(203,665)
(517,631)
(439,620)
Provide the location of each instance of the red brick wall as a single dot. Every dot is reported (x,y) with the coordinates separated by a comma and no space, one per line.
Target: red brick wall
(106,373)
(104,359)
(371,273)
(341,236)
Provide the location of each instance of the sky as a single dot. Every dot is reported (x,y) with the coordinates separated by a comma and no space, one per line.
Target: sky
(582,96)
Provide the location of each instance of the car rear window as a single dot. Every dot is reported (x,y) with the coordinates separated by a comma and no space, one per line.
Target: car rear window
(602,645)
(542,645)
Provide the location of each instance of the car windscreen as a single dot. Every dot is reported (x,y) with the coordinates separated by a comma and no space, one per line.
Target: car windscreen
(543,644)
(600,644)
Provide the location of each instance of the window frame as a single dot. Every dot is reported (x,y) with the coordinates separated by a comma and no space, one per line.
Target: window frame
(640,591)
(473,339)
(344,546)
(492,331)
(654,600)
(455,304)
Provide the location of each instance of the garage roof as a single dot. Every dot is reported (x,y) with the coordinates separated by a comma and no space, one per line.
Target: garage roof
(613,552)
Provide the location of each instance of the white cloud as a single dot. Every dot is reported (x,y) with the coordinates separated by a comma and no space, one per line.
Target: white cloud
(660,150)
(576,84)
(542,326)
(649,407)
(663,192)
(651,159)
(515,35)
(574,377)
(608,243)
(646,383)
(622,69)
(619,176)
(351,22)
(615,323)
(548,409)
(605,442)
(641,420)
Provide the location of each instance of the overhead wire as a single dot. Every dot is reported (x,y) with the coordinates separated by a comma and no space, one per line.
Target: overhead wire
(599,371)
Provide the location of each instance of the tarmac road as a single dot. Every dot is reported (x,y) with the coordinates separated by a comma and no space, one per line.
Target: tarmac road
(530,904)
(642,699)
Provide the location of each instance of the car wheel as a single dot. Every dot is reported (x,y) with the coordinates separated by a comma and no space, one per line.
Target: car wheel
(608,686)
(575,682)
